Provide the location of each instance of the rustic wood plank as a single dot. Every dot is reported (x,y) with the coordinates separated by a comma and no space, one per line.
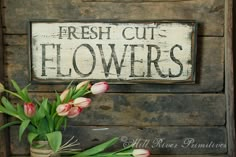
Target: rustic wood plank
(209,13)
(3,134)
(210,64)
(118,1)
(150,109)
(229,78)
(92,135)
(3,137)
(155,109)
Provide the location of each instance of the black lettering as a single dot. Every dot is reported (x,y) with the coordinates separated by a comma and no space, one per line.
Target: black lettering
(59,62)
(152,32)
(61,31)
(124,35)
(85,32)
(132,61)
(44,59)
(105,32)
(139,32)
(155,61)
(71,32)
(113,57)
(94,33)
(74,60)
(176,61)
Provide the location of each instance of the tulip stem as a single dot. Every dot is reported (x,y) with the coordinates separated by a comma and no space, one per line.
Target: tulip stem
(12,93)
(88,92)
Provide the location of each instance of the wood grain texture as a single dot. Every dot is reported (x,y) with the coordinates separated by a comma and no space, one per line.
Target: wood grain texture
(3,133)
(205,112)
(92,135)
(210,64)
(128,1)
(209,13)
(150,110)
(229,78)
(3,137)
(155,110)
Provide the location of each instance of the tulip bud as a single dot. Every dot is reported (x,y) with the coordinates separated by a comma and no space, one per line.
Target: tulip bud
(64,94)
(82,102)
(140,153)
(82,84)
(100,87)
(1,88)
(63,109)
(29,109)
(74,111)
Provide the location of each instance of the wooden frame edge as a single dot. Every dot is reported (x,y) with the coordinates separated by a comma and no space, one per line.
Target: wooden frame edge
(191,80)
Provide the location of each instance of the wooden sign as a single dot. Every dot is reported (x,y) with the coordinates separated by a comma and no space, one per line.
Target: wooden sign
(157,51)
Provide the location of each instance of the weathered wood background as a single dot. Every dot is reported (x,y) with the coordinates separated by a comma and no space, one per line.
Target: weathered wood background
(146,111)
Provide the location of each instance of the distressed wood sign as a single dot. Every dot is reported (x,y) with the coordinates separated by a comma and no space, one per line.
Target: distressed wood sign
(163,51)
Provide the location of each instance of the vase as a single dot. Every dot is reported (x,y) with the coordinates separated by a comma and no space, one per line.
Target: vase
(42,149)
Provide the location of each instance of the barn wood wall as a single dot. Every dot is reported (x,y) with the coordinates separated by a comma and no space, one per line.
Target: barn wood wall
(146,110)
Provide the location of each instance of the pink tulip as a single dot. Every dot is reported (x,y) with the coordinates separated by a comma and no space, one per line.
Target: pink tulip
(82,102)
(74,111)
(99,87)
(82,84)
(140,153)
(64,94)
(29,109)
(63,109)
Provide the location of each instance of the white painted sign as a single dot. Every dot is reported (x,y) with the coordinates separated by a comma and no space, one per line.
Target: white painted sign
(153,51)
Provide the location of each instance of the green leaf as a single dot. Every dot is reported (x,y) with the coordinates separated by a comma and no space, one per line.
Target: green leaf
(69,95)
(126,150)
(59,123)
(9,124)
(22,94)
(40,114)
(65,123)
(8,105)
(54,140)
(78,94)
(69,85)
(23,126)
(45,106)
(50,123)
(18,90)
(55,104)
(58,99)
(32,128)
(26,95)
(81,91)
(110,154)
(21,112)
(14,114)
(43,126)
(99,148)
(32,136)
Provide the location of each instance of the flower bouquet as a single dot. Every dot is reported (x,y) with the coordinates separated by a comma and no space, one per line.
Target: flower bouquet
(44,120)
